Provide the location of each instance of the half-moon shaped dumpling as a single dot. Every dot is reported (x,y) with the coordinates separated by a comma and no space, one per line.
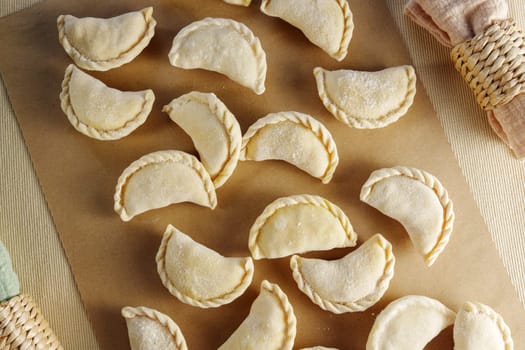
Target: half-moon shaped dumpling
(99,111)
(319,348)
(367,100)
(294,137)
(418,201)
(478,327)
(298,224)
(353,283)
(106,43)
(224,46)
(409,323)
(326,23)
(270,325)
(149,329)
(162,178)
(199,276)
(213,129)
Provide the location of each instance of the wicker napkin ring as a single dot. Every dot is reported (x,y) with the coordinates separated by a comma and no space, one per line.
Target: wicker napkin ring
(493,63)
(22,326)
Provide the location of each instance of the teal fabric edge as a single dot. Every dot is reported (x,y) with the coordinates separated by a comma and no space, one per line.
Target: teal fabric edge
(9,284)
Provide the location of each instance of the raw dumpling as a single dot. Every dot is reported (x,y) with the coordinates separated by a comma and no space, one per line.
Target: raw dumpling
(295,138)
(270,325)
(99,111)
(199,276)
(105,43)
(409,323)
(213,129)
(367,100)
(162,178)
(418,201)
(298,224)
(149,329)
(478,327)
(326,23)
(224,46)
(353,283)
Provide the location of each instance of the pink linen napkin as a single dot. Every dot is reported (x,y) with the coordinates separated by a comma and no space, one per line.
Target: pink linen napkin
(453,22)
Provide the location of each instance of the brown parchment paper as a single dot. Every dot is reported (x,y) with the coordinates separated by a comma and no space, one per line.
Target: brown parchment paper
(114,262)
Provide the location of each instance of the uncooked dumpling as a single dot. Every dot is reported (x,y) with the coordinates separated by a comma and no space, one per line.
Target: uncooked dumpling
(150,329)
(213,129)
(367,100)
(270,325)
(353,283)
(298,224)
(295,138)
(418,201)
(105,43)
(99,111)
(162,178)
(224,46)
(199,276)
(409,323)
(479,327)
(326,23)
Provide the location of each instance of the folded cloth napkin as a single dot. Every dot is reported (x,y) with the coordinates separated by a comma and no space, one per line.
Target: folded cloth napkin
(455,22)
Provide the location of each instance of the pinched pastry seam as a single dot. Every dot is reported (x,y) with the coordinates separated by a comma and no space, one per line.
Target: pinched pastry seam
(230,124)
(479,308)
(203,303)
(310,123)
(100,134)
(162,157)
(376,333)
(339,307)
(141,311)
(125,57)
(283,202)
(362,123)
(290,320)
(431,182)
(242,29)
(347,30)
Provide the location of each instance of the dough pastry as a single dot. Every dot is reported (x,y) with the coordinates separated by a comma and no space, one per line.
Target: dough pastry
(162,178)
(298,224)
(149,329)
(296,138)
(367,100)
(409,323)
(270,325)
(326,23)
(224,46)
(213,129)
(99,111)
(199,276)
(478,327)
(106,43)
(245,3)
(418,201)
(319,348)
(353,283)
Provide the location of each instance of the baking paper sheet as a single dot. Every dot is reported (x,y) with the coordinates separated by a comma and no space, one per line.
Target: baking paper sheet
(114,262)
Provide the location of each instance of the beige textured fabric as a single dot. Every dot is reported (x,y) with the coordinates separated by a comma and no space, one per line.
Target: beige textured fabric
(453,23)
(495,177)
(27,230)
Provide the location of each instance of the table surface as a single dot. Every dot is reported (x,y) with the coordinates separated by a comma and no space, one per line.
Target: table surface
(495,178)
